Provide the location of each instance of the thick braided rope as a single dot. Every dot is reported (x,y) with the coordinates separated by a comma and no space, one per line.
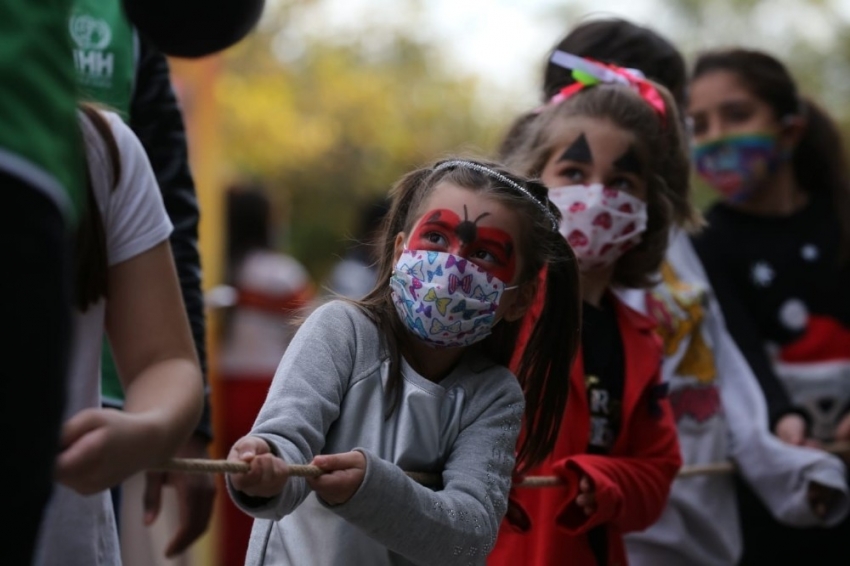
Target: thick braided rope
(429,479)
(496,175)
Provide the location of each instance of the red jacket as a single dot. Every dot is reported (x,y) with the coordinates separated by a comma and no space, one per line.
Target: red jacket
(632,482)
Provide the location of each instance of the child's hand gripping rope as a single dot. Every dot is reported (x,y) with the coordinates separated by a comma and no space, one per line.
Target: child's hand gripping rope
(266,475)
(338,478)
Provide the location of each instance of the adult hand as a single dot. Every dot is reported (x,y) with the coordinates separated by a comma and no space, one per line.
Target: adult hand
(268,473)
(586,498)
(343,475)
(791,429)
(195,497)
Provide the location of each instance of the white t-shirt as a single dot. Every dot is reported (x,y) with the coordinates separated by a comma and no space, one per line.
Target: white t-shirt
(81,530)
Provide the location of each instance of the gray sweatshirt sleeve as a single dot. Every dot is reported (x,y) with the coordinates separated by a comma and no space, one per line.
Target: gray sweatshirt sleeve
(304,401)
(458,524)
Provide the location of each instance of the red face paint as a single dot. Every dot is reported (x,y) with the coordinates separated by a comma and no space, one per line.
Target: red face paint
(442,230)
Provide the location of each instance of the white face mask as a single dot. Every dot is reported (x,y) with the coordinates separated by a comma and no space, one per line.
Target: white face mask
(599,223)
(443,299)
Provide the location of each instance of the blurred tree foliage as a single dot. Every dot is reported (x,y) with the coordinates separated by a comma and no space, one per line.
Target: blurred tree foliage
(329,123)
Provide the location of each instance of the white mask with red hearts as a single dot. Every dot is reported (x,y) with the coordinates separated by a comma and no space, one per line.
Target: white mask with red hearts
(599,223)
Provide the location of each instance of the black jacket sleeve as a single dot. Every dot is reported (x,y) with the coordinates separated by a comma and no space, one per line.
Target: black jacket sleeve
(157,120)
(744,329)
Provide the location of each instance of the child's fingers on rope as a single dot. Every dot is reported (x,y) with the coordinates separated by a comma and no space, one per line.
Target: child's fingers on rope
(247,447)
(791,429)
(343,474)
(586,499)
(343,461)
(266,477)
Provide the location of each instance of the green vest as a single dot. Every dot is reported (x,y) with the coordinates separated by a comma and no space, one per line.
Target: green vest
(104,53)
(40,139)
(105,60)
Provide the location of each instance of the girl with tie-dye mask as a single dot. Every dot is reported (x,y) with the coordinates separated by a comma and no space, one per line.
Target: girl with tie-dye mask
(608,148)
(413,377)
(777,253)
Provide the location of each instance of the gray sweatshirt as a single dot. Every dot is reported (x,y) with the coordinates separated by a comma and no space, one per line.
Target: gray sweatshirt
(328,397)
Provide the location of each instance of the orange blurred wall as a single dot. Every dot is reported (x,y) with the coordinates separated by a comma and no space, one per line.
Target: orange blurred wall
(195,84)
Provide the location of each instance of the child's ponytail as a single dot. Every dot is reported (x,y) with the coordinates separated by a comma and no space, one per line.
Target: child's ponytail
(549,353)
(820,166)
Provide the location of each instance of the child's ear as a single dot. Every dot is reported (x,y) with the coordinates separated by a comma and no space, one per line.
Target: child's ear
(793,128)
(398,247)
(524,297)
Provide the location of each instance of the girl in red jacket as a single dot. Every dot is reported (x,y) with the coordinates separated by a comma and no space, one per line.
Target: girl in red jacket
(609,149)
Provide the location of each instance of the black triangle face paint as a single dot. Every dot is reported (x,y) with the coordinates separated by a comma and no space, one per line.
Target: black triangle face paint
(579,151)
(629,162)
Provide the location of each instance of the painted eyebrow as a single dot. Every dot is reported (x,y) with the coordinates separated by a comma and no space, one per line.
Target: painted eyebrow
(438,221)
(506,246)
(629,162)
(579,151)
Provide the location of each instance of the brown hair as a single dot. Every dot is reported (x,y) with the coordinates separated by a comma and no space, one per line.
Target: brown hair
(549,353)
(91,264)
(661,147)
(819,162)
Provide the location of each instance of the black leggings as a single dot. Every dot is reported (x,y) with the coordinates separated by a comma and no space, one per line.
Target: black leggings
(35,309)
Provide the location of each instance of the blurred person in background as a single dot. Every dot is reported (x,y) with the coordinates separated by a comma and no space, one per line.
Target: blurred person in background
(354,275)
(777,252)
(272,290)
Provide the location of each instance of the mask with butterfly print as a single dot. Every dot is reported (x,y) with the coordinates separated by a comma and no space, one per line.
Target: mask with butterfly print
(443,299)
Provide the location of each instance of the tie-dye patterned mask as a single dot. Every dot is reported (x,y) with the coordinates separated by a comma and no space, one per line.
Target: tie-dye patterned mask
(599,223)
(443,299)
(736,165)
